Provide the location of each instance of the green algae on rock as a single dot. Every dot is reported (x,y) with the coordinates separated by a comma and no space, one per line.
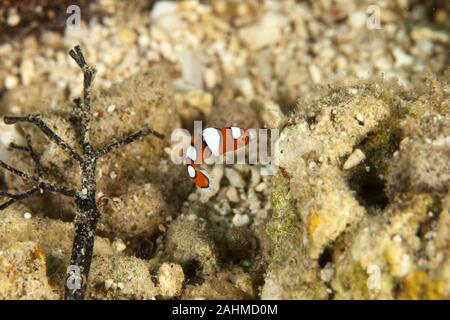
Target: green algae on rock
(368,229)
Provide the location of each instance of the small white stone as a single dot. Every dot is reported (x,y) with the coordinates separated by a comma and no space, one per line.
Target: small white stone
(144,40)
(245,87)
(359,117)
(267,31)
(315,73)
(261,187)
(111,108)
(234,178)
(13,18)
(253,202)
(401,57)
(26,71)
(327,273)
(255,177)
(113,175)
(119,245)
(358,19)
(108,284)
(163,8)
(120,286)
(11,82)
(232,195)
(354,159)
(403,266)
(245,263)
(191,65)
(27,215)
(240,220)
(209,77)
(15,109)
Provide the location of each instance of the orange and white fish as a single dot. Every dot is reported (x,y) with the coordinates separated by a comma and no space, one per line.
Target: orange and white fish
(213,142)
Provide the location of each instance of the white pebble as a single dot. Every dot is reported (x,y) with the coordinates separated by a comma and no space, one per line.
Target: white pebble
(27,215)
(13,18)
(240,220)
(398,238)
(359,117)
(108,284)
(358,19)
(144,40)
(315,73)
(232,195)
(401,57)
(119,245)
(245,87)
(209,77)
(261,187)
(234,178)
(111,108)
(11,82)
(354,159)
(26,71)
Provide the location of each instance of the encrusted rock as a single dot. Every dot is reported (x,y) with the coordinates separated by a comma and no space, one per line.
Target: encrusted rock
(188,242)
(120,277)
(170,279)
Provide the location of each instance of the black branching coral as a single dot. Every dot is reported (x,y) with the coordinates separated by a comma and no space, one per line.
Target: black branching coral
(87,214)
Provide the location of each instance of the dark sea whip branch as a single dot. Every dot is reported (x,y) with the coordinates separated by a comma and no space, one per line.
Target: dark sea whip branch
(87,214)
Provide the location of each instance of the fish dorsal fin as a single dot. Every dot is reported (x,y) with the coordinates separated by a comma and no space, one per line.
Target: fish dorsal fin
(212,138)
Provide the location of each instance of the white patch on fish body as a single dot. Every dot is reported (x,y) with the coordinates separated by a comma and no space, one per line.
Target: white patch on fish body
(236,132)
(212,138)
(191,153)
(191,171)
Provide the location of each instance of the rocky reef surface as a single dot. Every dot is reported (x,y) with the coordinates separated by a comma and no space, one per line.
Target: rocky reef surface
(360,203)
